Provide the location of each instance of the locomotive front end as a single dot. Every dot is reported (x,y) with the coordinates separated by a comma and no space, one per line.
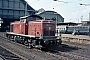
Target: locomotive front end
(48,34)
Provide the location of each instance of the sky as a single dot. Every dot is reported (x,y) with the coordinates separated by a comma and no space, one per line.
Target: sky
(70,10)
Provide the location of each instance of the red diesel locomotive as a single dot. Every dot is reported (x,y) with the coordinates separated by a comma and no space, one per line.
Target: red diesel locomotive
(34,32)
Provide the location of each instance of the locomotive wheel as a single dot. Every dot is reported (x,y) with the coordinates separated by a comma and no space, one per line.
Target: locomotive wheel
(26,43)
(30,46)
(8,36)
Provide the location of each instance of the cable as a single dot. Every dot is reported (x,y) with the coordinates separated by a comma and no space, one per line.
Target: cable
(34,1)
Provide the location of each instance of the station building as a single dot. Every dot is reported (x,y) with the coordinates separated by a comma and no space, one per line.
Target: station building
(12,10)
(85,23)
(50,15)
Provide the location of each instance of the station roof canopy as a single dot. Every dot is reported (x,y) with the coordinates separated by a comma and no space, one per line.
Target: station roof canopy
(67,23)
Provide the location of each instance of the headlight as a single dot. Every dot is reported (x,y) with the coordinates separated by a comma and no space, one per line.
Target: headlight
(46,42)
(59,41)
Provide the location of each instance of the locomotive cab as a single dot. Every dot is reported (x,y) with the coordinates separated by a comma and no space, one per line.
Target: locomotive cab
(45,30)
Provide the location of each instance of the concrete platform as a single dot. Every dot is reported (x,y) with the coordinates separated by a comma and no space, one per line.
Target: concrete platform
(76,36)
(81,39)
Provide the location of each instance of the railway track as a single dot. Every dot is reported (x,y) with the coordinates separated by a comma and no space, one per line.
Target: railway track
(6,55)
(53,54)
(2,58)
(63,55)
(82,51)
(67,56)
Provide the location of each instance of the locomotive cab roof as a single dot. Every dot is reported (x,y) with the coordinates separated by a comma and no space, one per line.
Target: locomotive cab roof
(42,21)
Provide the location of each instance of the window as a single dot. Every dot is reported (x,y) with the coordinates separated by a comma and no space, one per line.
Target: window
(21,5)
(10,12)
(52,33)
(11,0)
(16,6)
(5,4)
(45,33)
(5,12)
(0,12)
(0,4)
(10,4)
(17,0)
(16,13)
(21,13)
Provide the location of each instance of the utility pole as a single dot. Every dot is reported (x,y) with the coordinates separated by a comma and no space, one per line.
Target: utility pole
(56,21)
(86,5)
(26,9)
(89,16)
(81,18)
